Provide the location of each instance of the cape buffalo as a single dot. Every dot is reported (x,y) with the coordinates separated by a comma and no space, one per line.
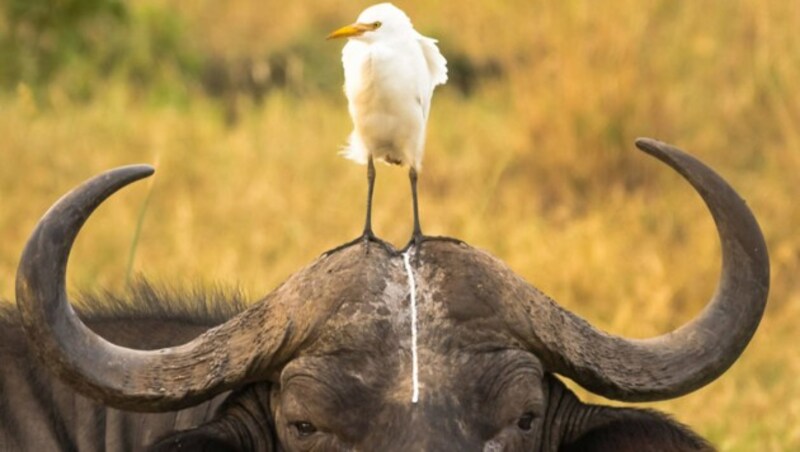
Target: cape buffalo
(332,358)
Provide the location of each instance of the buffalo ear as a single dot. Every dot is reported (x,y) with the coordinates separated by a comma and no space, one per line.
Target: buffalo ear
(638,430)
(242,423)
(579,427)
(199,439)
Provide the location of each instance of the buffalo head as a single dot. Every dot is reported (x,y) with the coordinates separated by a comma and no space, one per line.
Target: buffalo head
(332,358)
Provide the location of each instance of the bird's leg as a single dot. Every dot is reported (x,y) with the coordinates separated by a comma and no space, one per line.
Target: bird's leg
(417,237)
(367,236)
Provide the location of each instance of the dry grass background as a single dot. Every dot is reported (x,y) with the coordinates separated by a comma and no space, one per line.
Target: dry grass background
(537,167)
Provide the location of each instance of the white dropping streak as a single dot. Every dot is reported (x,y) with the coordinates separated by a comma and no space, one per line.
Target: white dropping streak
(413,292)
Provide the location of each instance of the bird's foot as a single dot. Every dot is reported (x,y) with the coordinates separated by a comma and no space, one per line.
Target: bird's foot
(365,238)
(418,238)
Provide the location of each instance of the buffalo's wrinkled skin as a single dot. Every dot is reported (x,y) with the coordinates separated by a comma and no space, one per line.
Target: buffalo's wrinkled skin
(324,362)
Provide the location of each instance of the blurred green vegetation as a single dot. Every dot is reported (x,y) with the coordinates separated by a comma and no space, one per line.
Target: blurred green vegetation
(41,36)
(77,45)
(529,154)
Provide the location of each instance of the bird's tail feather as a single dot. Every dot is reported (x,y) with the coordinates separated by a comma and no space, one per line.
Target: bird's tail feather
(355,150)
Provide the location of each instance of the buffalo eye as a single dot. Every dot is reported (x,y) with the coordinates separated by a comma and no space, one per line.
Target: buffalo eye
(525,421)
(303,429)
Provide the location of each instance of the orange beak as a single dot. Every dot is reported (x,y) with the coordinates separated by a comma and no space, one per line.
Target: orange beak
(348,31)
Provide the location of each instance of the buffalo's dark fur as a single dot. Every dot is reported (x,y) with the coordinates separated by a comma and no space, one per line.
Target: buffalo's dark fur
(145,300)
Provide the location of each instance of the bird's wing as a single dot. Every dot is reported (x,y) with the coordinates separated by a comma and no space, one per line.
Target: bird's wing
(437,68)
(437,65)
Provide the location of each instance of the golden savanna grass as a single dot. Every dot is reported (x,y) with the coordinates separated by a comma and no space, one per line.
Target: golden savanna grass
(537,167)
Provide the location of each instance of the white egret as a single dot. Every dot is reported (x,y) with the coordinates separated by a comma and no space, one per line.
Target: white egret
(390,72)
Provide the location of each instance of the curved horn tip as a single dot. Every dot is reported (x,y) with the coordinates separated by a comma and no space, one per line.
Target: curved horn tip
(136,171)
(647,141)
(653,146)
(678,159)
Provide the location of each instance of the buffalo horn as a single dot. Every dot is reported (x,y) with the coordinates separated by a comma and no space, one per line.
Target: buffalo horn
(689,357)
(167,379)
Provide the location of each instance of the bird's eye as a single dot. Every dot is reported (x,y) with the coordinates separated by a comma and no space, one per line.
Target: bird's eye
(303,429)
(377,24)
(525,421)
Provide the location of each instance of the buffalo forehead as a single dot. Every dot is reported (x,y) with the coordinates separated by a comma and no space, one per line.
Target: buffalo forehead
(459,299)
(459,323)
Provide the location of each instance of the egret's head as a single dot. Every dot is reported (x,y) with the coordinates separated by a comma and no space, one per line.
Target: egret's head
(381,20)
